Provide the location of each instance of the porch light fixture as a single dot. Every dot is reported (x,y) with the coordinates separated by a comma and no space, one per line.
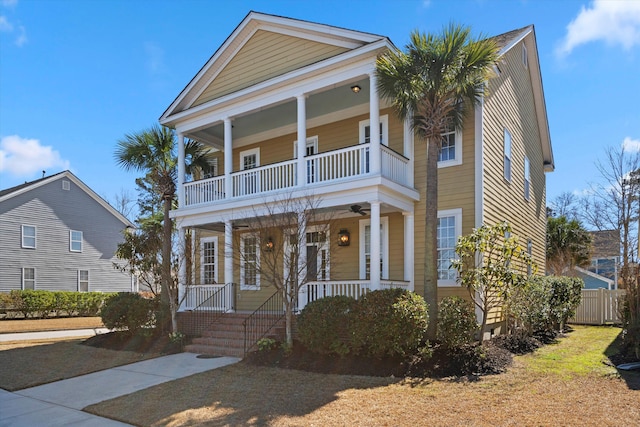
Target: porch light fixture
(268,247)
(355,88)
(344,238)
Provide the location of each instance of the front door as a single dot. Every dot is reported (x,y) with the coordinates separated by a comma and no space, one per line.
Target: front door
(249,159)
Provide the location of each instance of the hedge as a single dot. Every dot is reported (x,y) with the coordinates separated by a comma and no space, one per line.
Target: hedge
(43,304)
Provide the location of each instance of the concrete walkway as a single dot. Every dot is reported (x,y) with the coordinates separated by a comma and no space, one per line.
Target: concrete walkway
(45,335)
(60,403)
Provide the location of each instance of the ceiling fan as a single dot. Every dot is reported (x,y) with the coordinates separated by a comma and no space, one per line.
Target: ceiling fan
(358,209)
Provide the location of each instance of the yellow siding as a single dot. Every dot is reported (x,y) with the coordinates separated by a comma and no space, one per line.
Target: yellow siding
(510,104)
(456,189)
(264,56)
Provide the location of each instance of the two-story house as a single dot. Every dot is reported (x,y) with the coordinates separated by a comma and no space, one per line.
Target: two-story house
(287,106)
(57,234)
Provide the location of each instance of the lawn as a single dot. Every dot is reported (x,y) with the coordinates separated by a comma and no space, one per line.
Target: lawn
(562,384)
(569,383)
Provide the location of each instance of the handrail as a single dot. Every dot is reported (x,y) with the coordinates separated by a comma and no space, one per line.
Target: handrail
(209,313)
(262,320)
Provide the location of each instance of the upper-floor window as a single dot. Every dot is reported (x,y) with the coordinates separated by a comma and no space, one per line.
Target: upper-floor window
(75,241)
(450,148)
(211,170)
(83,280)
(449,230)
(29,236)
(527,178)
(365,131)
(209,260)
(28,278)
(507,155)
(249,262)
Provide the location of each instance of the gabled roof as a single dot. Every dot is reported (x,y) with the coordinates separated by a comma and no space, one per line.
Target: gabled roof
(506,42)
(335,41)
(28,186)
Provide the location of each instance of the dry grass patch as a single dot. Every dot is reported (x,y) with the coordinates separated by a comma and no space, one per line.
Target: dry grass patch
(243,394)
(28,364)
(56,324)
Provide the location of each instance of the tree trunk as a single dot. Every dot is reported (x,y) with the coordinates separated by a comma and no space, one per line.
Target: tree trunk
(166,253)
(430,238)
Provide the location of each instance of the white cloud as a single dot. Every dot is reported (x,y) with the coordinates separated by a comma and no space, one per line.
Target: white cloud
(9,3)
(5,25)
(617,22)
(631,145)
(21,39)
(22,157)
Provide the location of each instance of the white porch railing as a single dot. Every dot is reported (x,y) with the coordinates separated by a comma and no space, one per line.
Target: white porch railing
(204,297)
(338,164)
(312,291)
(204,190)
(326,167)
(394,166)
(263,179)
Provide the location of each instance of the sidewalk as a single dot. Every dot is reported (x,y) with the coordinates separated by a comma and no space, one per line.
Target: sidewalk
(35,336)
(60,403)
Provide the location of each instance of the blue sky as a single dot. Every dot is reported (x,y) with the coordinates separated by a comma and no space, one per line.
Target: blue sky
(76,76)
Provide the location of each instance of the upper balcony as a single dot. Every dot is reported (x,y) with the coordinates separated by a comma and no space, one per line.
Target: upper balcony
(334,166)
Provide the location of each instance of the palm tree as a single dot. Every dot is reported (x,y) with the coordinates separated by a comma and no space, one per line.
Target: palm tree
(433,83)
(568,245)
(153,151)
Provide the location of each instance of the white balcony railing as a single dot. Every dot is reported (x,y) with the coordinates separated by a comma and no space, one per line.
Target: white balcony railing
(312,291)
(204,297)
(326,167)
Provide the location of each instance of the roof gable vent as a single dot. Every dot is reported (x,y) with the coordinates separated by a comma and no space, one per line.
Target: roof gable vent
(66,185)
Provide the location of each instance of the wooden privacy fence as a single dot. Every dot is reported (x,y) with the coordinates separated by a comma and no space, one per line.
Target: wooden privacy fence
(599,307)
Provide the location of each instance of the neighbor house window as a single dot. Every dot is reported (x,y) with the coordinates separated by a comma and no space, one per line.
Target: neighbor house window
(507,155)
(249,262)
(75,241)
(365,248)
(209,260)
(29,236)
(83,280)
(449,230)
(527,178)
(530,253)
(28,278)
(450,148)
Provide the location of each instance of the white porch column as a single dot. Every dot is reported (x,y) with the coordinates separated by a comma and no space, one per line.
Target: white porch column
(374,126)
(374,263)
(409,246)
(181,170)
(182,267)
(228,252)
(302,141)
(407,148)
(228,158)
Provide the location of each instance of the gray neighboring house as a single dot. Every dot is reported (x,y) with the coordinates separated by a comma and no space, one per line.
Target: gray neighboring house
(58,234)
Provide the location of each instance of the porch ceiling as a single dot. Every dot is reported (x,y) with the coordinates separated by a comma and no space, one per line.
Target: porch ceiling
(283,116)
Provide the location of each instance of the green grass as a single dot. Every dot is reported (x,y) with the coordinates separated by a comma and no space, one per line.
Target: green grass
(579,353)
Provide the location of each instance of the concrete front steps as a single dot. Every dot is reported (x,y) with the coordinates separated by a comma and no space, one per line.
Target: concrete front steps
(225,337)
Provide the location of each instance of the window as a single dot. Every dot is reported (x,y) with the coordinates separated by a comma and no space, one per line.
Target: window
(311,149)
(75,241)
(209,260)
(527,178)
(507,155)
(66,185)
(449,230)
(29,236)
(211,170)
(249,261)
(365,248)
(249,182)
(451,148)
(28,278)
(525,57)
(365,131)
(83,280)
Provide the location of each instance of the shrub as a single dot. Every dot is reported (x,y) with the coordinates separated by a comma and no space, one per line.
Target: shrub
(389,322)
(128,311)
(530,307)
(324,325)
(37,303)
(566,293)
(456,322)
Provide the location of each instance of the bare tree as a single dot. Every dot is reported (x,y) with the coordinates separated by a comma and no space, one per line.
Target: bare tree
(613,204)
(124,203)
(566,204)
(286,244)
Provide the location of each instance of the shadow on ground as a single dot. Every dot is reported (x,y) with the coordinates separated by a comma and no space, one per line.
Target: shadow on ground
(618,353)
